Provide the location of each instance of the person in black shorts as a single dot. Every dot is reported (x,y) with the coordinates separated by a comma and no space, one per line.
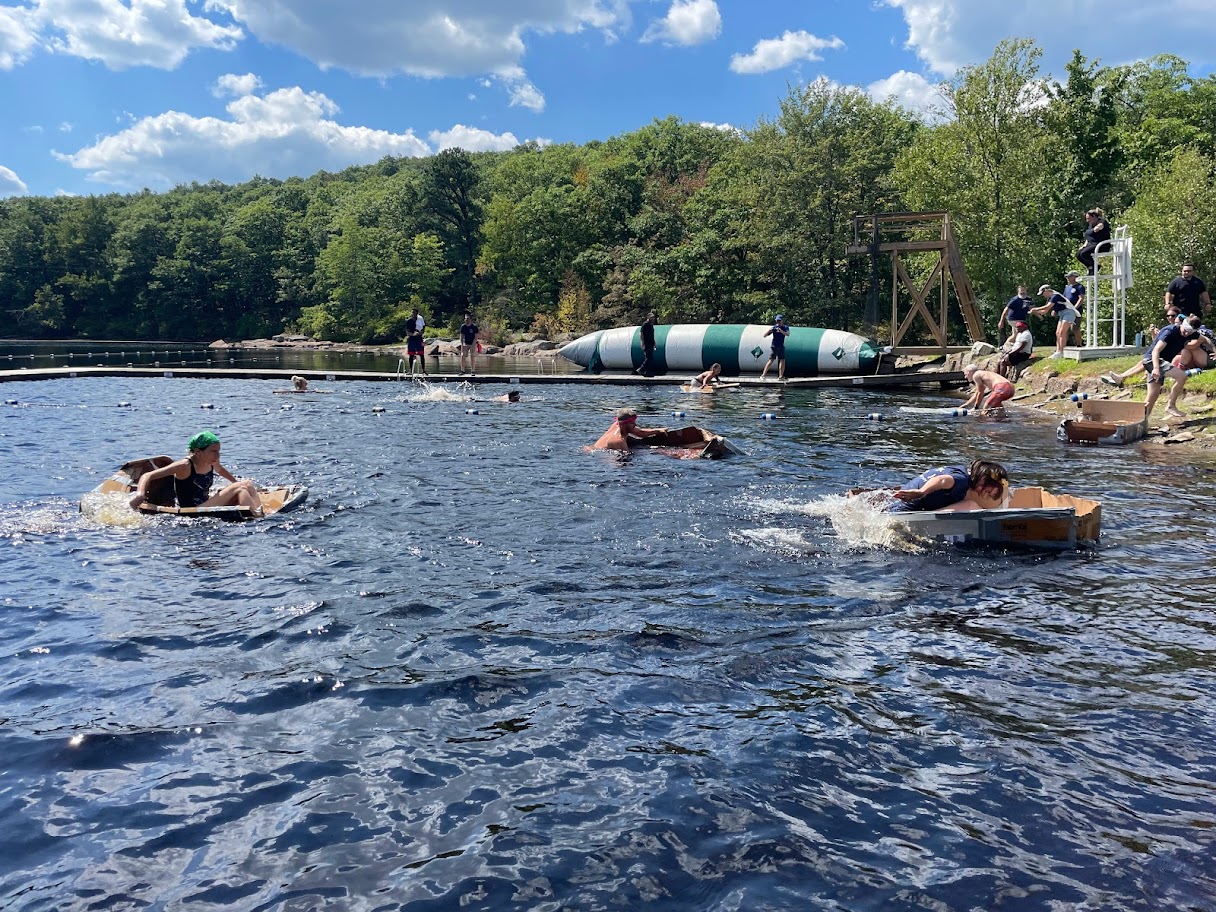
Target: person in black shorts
(413,341)
(780,332)
(646,368)
(1097,231)
(468,343)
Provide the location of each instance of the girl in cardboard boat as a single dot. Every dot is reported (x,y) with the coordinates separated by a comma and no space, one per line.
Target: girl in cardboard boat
(980,486)
(193,476)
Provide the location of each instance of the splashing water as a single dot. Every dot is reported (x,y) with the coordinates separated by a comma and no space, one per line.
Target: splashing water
(427,392)
(859,522)
(110,509)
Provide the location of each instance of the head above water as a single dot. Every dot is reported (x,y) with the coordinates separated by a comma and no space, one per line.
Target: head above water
(626,416)
(201,441)
(513,396)
(986,474)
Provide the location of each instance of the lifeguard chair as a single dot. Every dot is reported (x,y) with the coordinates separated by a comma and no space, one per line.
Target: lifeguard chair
(1106,295)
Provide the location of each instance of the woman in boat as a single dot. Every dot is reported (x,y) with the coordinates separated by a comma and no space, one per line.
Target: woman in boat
(193,476)
(707,378)
(624,427)
(979,486)
(299,384)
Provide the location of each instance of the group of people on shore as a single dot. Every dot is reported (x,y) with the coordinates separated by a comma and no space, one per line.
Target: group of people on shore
(415,351)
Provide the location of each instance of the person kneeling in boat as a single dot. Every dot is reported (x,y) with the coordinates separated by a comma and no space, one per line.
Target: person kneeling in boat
(991,388)
(707,378)
(624,427)
(299,384)
(979,486)
(192,478)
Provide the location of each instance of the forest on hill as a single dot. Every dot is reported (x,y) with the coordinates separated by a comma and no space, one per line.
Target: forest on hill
(696,223)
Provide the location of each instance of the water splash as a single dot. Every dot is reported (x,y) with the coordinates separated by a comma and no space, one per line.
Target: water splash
(859,522)
(437,392)
(109,509)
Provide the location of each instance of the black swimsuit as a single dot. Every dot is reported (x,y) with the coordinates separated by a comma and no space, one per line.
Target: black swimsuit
(193,491)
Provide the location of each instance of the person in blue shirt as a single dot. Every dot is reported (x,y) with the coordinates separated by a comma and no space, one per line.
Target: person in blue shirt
(779,331)
(468,343)
(982,485)
(1170,343)
(1074,293)
(1017,309)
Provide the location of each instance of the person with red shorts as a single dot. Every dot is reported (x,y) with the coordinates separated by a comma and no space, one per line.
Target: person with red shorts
(991,388)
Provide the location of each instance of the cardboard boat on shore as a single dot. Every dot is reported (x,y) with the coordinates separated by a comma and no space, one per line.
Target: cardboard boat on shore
(1035,518)
(161,500)
(1105,422)
(679,443)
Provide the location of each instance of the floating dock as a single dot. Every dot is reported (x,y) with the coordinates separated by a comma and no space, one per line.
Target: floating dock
(868,381)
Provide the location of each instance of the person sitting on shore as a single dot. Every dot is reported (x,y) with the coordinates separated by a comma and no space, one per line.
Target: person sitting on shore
(193,476)
(1198,353)
(624,427)
(991,389)
(299,384)
(707,378)
(1018,349)
(979,486)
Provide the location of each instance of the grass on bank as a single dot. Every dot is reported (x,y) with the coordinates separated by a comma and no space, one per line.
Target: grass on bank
(1202,384)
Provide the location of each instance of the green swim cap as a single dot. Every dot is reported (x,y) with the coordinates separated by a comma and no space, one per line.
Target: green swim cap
(202,440)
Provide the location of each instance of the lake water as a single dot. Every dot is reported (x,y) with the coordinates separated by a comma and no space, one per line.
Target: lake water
(483,669)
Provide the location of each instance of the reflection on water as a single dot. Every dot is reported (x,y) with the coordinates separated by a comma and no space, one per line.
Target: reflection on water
(483,669)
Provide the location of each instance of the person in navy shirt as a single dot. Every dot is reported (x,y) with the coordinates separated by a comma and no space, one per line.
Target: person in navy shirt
(1170,343)
(1074,291)
(1188,293)
(468,343)
(779,331)
(979,486)
(1017,309)
(1097,231)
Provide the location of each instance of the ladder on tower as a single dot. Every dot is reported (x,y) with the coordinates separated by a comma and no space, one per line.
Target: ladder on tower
(1106,292)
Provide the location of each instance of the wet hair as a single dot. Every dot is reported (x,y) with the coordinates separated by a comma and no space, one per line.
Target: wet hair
(626,414)
(983,469)
(513,395)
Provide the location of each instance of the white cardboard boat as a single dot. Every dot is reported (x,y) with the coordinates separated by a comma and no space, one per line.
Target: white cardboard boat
(1035,518)
(1104,421)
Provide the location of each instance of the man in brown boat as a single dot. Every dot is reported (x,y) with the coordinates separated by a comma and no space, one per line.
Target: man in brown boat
(624,427)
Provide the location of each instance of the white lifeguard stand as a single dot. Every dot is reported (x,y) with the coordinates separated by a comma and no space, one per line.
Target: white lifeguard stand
(1106,297)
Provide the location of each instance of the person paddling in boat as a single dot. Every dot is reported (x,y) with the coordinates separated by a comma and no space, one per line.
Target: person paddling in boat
(979,486)
(193,476)
(624,427)
(707,378)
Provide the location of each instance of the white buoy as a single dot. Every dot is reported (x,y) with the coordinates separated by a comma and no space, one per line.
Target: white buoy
(377,409)
(677,414)
(768,416)
(207,405)
(1077,397)
(470,411)
(124,404)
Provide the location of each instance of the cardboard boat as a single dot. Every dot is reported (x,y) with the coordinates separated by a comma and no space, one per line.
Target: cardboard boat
(680,443)
(1105,422)
(1035,518)
(160,496)
(708,388)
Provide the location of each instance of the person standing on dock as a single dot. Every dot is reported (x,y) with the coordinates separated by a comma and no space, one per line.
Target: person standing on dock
(779,331)
(468,343)
(1188,293)
(413,341)
(1017,309)
(646,368)
(1074,293)
(1097,231)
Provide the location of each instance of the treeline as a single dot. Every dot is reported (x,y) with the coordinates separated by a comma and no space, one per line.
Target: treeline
(695,223)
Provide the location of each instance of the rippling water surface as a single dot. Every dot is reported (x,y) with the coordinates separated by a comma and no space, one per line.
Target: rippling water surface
(483,669)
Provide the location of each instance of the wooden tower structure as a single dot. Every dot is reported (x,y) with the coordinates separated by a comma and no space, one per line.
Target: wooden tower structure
(901,233)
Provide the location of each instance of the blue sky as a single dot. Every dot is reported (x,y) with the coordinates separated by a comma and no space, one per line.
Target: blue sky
(117,95)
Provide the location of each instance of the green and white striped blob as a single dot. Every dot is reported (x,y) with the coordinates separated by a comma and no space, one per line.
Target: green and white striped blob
(741,348)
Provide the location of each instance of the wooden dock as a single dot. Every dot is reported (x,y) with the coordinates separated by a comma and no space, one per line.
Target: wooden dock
(872,381)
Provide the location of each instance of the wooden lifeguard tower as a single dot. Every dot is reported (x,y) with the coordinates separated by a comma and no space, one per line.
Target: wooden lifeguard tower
(901,233)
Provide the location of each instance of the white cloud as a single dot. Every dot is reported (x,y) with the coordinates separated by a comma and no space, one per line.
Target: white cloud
(687,22)
(18,35)
(287,132)
(722,127)
(521,92)
(65,127)
(128,33)
(10,183)
(911,91)
(429,38)
(232,84)
(775,53)
(949,34)
(472,139)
